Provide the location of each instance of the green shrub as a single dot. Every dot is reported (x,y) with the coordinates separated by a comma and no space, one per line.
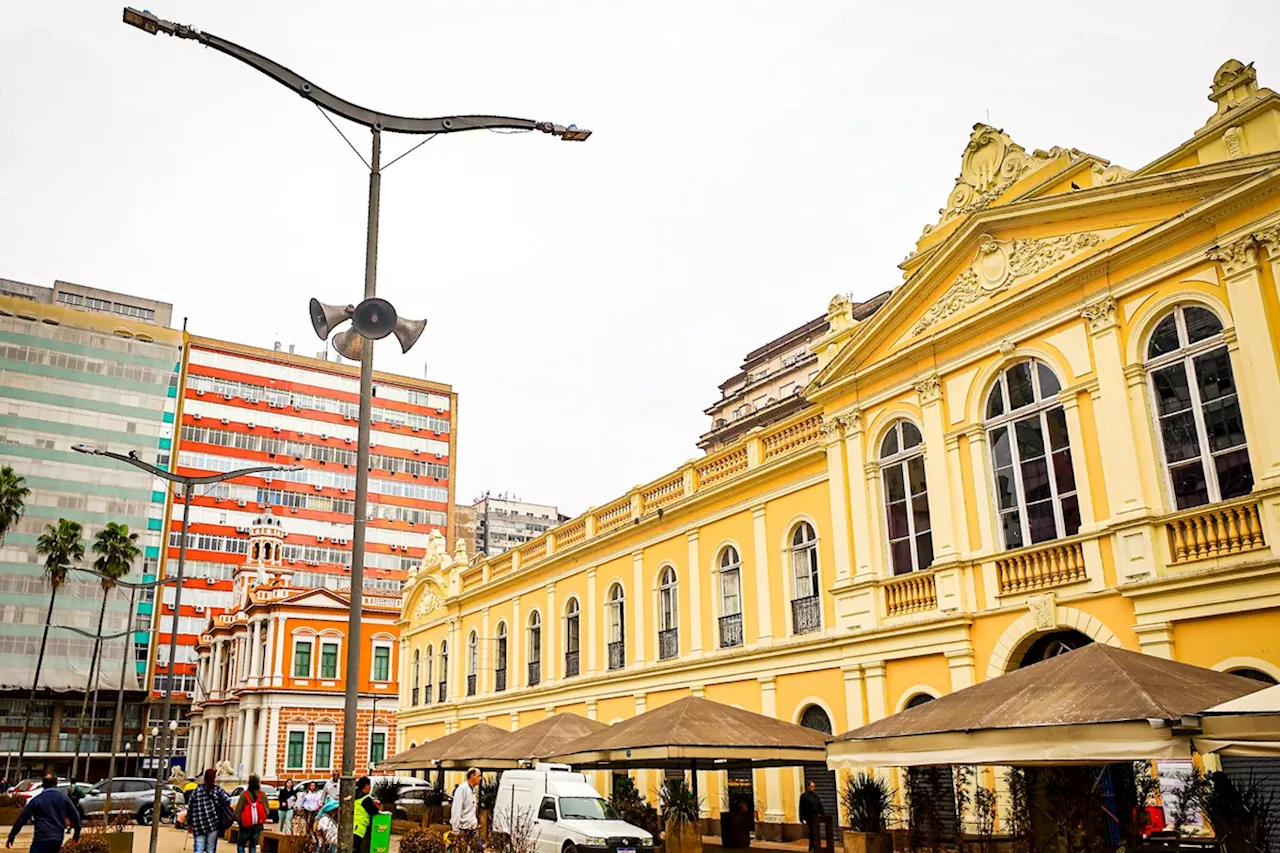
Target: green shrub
(422,840)
(868,800)
(679,803)
(11,801)
(387,791)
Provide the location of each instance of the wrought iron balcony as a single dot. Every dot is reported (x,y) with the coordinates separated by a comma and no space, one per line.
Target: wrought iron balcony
(471,685)
(668,643)
(570,664)
(617,655)
(731,631)
(535,673)
(806,615)
(500,680)
(443,691)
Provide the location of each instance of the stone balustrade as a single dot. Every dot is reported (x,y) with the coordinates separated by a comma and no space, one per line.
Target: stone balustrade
(1215,531)
(910,594)
(1053,565)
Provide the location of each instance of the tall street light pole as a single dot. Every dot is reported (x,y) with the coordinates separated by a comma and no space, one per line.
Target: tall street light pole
(188,492)
(376,326)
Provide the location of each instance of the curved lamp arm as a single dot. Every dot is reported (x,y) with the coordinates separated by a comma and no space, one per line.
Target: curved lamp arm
(178,478)
(339,106)
(124,583)
(93,636)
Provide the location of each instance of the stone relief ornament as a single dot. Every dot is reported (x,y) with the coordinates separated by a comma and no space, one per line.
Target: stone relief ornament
(1007,347)
(1270,239)
(1100,315)
(1233,138)
(929,390)
(1105,174)
(429,601)
(1044,611)
(999,265)
(1236,257)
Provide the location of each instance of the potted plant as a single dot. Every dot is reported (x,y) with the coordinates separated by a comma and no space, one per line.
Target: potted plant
(868,801)
(10,807)
(433,806)
(486,799)
(633,809)
(681,811)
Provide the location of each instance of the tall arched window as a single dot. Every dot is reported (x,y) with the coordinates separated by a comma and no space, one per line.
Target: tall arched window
(617,613)
(473,662)
(730,565)
(906,499)
(1031,454)
(417,674)
(668,615)
(1197,409)
(535,648)
(442,694)
(500,659)
(806,608)
(572,613)
(431,672)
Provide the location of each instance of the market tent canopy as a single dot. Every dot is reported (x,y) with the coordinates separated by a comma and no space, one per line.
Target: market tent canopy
(1093,705)
(696,733)
(1248,726)
(543,738)
(457,751)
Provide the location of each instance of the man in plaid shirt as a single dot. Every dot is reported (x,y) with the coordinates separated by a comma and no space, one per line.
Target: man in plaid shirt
(204,805)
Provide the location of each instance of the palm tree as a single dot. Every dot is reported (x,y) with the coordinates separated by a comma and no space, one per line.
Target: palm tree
(117,549)
(60,546)
(13,499)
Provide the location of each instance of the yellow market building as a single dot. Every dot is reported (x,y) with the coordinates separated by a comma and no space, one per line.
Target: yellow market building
(1060,428)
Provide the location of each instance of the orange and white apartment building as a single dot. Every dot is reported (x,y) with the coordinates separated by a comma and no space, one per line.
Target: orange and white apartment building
(241,406)
(272,672)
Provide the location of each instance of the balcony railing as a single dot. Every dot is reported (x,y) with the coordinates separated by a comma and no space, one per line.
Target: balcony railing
(617,655)
(570,664)
(806,615)
(1216,531)
(535,673)
(910,594)
(731,631)
(414,699)
(668,643)
(1049,566)
(500,680)
(442,692)
(471,685)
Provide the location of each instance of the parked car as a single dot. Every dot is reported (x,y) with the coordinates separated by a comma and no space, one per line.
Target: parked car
(568,813)
(28,788)
(411,804)
(273,799)
(131,795)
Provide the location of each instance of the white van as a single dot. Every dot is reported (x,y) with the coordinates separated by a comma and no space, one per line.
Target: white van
(565,814)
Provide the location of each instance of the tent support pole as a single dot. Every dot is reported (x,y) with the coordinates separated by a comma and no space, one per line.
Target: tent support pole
(693,764)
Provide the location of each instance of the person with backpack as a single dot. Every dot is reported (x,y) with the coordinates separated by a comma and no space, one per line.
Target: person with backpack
(251,814)
(208,813)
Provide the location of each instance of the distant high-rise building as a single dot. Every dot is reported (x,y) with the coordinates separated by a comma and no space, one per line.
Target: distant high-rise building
(80,365)
(504,522)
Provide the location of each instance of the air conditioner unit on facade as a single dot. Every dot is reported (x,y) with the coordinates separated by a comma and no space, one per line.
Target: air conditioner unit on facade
(209,581)
(242,530)
(199,608)
(347,440)
(344,491)
(226,396)
(324,436)
(226,421)
(200,392)
(318,487)
(417,451)
(301,434)
(196,416)
(241,503)
(275,429)
(252,425)
(293,509)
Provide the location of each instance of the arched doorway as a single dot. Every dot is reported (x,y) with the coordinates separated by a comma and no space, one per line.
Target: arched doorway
(1053,644)
(1255,674)
(824,780)
(931,793)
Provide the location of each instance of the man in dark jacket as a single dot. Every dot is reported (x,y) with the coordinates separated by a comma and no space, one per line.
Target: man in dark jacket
(50,811)
(810,810)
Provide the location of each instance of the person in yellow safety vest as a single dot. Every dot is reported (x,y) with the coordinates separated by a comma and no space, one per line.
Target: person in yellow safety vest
(366,808)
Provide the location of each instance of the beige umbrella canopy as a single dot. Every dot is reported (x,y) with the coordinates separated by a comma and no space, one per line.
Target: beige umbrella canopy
(1248,726)
(1097,704)
(696,733)
(457,751)
(543,738)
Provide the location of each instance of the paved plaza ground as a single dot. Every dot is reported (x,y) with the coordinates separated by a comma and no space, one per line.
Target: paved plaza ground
(171,841)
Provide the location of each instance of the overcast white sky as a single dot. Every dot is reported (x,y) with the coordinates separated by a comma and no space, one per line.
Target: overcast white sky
(750,160)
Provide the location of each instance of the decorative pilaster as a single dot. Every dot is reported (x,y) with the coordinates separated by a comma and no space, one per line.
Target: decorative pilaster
(694,573)
(961,664)
(760,560)
(853,697)
(838,483)
(859,524)
(877,704)
(516,675)
(982,497)
(277,678)
(1255,364)
(551,625)
(941,499)
(639,598)
(255,653)
(772,776)
(1156,639)
(591,608)
(483,685)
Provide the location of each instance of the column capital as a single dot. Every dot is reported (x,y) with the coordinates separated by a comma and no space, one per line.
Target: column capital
(1101,315)
(929,390)
(1237,257)
(767,682)
(757,512)
(591,574)
(848,422)
(851,672)
(1269,238)
(875,669)
(692,535)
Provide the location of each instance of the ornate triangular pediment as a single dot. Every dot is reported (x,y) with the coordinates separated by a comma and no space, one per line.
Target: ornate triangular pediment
(319,598)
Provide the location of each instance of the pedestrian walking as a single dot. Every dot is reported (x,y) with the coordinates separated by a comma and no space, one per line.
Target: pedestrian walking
(208,813)
(810,810)
(311,801)
(462,817)
(251,813)
(332,787)
(288,802)
(50,812)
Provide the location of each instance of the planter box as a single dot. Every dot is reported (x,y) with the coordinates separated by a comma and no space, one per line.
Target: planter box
(735,830)
(280,842)
(9,816)
(119,842)
(682,838)
(866,842)
(768,831)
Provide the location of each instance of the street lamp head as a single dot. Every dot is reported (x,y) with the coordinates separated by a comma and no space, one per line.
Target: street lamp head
(84,448)
(144,21)
(325,318)
(572,133)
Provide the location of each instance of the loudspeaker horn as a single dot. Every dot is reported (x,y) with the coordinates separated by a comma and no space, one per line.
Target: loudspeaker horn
(325,317)
(374,318)
(350,344)
(407,332)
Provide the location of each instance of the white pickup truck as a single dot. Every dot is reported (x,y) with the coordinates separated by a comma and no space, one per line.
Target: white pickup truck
(563,813)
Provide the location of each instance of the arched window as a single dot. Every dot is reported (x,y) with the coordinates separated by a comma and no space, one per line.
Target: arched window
(1197,409)
(617,613)
(500,660)
(1255,674)
(572,612)
(255,551)
(806,609)
(730,598)
(668,614)
(431,672)
(1031,454)
(417,674)
(473,662)
(906,499)
(535,648)
(442,694)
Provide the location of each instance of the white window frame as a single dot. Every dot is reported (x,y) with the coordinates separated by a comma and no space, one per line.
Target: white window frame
(723,570)
(290,731)
(1007,419)
(1185,355)
(304,635)
(389,645)
(813,566)
(417,673)
(431,669)
(321,641)
(535,626)
(569,614)
(315,749)
(901,459)
(473,654)
(668,598)
(386,743)
(617,617)
(502,637)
